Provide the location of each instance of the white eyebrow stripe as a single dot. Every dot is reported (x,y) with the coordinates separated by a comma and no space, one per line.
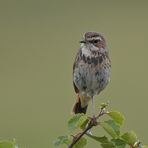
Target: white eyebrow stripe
(95,38)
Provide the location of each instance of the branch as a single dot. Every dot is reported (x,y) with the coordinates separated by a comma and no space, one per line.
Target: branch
(93,122)
(111,126)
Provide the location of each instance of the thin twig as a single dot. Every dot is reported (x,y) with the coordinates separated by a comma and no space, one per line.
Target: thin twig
(102,112)
(93,122)
(77,138)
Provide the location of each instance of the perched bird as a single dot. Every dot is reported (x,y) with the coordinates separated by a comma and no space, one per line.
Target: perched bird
(91,70)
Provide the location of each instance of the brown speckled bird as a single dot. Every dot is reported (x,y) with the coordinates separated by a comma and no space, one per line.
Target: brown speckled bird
(91,70)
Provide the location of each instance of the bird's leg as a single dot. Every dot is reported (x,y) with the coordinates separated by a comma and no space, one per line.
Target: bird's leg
(93,119)
(93,107)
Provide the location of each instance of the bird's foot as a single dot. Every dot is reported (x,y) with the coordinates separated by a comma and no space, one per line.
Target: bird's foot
(94,121)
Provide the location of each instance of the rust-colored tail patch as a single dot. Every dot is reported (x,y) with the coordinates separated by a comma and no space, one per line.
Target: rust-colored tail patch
(77,107)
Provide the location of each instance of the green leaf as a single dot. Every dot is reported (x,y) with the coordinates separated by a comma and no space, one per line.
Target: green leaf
(77,121)
(81,143)
(119,143)
(115,126)
(103,139)
(84,124)
(108,145)
(117,117)
(105,143)
(62,140)
(111,128)
(8,144)
(129,137)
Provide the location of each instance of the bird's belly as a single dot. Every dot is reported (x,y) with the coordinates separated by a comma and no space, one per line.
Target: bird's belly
(91,80)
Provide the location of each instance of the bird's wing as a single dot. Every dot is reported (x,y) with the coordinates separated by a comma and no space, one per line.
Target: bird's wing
(74,66)
(75,88)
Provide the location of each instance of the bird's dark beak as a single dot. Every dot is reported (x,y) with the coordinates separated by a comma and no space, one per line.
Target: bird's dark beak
(82,41)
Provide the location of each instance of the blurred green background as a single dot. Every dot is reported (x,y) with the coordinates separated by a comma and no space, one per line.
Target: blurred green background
(38,43)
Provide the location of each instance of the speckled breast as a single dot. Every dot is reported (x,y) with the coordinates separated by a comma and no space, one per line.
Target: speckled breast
(91,75)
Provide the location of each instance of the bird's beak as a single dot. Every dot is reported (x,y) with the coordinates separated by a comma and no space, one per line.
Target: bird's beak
(82,41)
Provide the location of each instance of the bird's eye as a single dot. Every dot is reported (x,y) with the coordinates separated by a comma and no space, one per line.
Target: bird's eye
(96,41)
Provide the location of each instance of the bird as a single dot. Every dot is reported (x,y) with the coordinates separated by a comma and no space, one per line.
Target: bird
(91,70)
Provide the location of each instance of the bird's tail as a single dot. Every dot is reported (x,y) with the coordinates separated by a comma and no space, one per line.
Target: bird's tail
(78,108)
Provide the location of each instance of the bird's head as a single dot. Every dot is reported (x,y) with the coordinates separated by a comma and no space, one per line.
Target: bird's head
(93,39)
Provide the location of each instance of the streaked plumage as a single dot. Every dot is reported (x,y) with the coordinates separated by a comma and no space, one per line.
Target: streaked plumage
(91,69)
